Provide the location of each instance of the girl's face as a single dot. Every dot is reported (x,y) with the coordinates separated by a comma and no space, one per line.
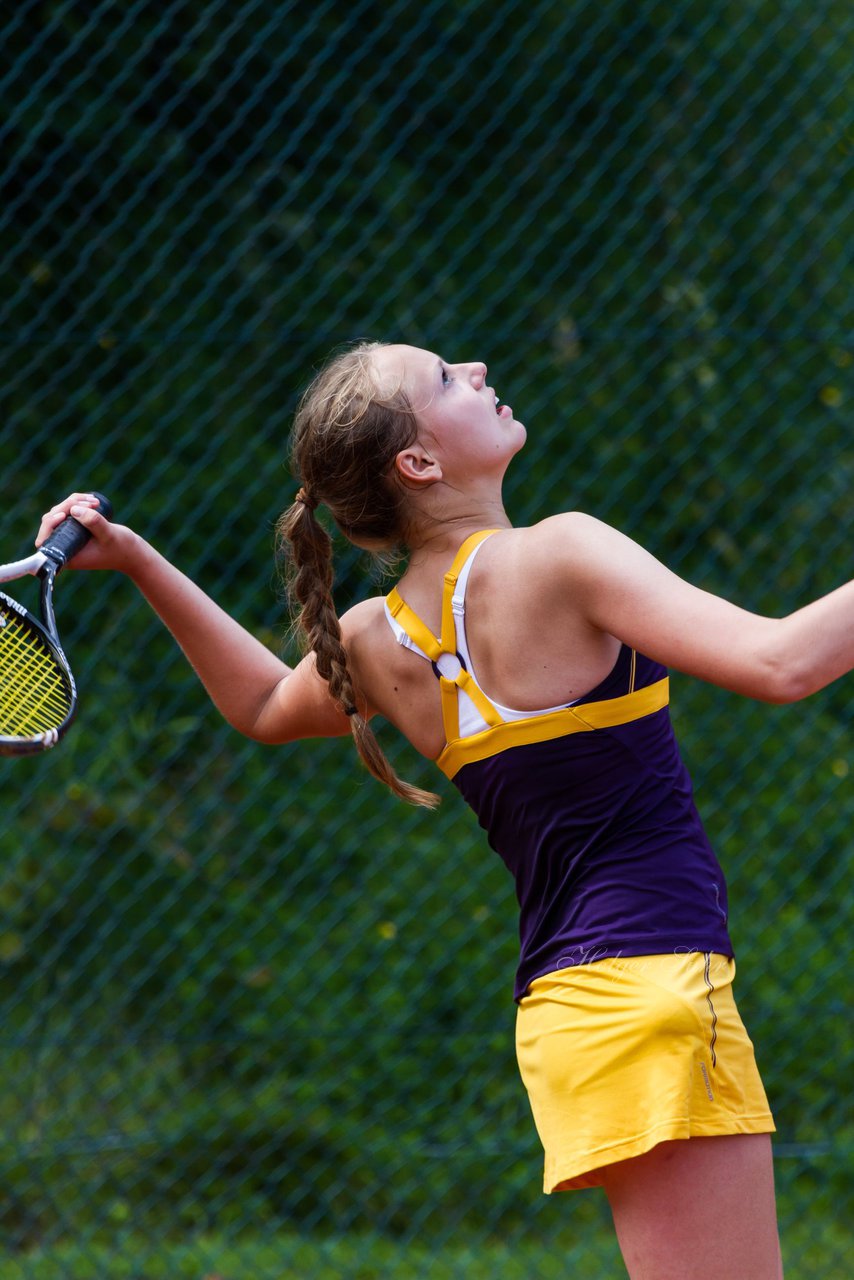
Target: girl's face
(459,415)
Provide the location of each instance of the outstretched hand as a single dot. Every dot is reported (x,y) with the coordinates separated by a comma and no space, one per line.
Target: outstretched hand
(112,546)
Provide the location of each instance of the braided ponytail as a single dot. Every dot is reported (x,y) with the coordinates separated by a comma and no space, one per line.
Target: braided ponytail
(343,448)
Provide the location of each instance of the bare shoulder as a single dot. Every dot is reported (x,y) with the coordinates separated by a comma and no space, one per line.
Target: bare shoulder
(565,528)
(558,545)
(363,628)
(619,587)
(573,561)
(568,531)
(362,617)
(371,648)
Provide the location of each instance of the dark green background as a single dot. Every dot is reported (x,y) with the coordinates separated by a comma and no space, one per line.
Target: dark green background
(247,997)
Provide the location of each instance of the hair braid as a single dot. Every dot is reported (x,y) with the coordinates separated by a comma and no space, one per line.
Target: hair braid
(310,586)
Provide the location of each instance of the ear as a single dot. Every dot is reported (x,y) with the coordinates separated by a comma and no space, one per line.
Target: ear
(417,466)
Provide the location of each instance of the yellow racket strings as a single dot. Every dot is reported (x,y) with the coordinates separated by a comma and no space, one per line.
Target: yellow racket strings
(33,693)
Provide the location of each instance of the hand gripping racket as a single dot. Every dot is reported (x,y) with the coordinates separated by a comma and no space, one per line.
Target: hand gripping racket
(38,696)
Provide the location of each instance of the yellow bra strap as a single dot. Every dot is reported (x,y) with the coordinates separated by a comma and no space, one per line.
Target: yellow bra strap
(424,638)
(412,625)
(450,709)
(479,698)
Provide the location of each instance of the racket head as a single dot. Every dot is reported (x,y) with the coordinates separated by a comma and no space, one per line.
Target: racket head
(38,696)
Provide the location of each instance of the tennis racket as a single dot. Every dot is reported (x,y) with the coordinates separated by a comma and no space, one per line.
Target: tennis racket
(38,696)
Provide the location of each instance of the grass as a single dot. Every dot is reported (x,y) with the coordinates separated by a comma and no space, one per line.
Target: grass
(356,1257)
(824,1250)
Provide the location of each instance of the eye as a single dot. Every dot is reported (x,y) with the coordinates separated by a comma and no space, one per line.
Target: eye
(446,377)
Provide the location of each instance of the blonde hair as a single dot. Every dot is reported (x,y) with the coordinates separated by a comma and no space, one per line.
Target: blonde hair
(347,433)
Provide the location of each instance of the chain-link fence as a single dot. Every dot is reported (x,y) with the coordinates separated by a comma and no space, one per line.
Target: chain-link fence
(257,1015)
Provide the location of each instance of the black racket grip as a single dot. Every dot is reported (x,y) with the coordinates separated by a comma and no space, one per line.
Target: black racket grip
(71,536)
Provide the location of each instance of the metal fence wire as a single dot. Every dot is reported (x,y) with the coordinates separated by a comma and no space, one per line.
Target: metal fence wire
(256,1014)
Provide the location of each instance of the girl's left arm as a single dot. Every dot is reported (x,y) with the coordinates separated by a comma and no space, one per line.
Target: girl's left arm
(623,590)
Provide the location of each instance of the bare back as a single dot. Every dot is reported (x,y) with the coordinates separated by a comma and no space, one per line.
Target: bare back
(530,648)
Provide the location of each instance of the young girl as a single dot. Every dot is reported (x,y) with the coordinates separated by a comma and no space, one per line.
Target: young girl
(530,664)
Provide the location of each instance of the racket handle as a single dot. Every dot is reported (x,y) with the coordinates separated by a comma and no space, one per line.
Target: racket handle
(71,536)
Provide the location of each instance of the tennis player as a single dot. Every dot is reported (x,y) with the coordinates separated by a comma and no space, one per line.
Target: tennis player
(531,665)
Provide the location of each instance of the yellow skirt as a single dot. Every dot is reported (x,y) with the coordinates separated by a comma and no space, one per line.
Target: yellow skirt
(622,1054)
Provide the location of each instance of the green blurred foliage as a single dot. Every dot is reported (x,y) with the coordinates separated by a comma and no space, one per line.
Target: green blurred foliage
(243,987)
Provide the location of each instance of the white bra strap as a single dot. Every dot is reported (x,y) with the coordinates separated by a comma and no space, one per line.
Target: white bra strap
(458,605)
(403,637)
(458,600)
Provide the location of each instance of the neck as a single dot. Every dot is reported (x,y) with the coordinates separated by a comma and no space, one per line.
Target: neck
(440,538)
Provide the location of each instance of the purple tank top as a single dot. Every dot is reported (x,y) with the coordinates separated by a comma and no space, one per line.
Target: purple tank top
(604,841)
(590,806)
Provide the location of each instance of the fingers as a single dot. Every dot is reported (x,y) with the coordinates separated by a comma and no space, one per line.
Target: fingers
(80,505)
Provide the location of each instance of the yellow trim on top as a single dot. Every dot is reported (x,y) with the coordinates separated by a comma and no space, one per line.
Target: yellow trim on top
(554,724)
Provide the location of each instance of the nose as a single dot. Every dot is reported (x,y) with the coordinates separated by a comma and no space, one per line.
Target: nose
(477,373)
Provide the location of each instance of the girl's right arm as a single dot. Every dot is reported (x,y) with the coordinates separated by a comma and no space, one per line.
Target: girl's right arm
(626,592)
(257,693)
